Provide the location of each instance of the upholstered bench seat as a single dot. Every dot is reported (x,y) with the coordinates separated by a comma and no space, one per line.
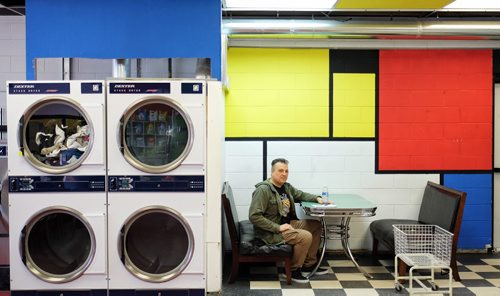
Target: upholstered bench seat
(249,245)
(441,206)
(384,231)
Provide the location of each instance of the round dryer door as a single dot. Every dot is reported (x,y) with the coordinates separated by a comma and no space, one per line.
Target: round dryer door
(157,244)
(58,245)
(156,134)
(55,135)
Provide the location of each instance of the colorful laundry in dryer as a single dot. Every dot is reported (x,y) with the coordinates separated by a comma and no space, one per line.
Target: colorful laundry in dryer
(56,145)
(69,156)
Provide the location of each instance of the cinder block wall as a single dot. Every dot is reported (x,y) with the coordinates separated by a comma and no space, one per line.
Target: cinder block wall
(376,123)
(12,56)
(12,67)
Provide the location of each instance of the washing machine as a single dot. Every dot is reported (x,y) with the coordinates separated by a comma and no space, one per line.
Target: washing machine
(57,179)
(157,197)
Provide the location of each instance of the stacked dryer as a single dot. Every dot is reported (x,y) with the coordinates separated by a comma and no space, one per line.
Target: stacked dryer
(56,141)
(157,185)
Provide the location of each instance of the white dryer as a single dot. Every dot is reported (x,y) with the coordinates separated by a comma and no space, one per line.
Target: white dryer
(57,197)
(57,242)
(56,127)
(157,196)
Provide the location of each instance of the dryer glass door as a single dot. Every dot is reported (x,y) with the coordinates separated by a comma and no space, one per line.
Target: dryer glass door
(157,135)
(58,245)
(55,135)
(157,244)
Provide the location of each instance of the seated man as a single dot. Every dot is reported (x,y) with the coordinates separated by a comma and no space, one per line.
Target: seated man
(272,213)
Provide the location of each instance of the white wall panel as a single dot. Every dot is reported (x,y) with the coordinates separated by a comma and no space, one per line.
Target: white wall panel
(18,64)
(417,181)
(5,31)
(244,148)
(243,167)
(10,76)
(5,63)
(13,47)
(349,167)
(18,29)
(243,164)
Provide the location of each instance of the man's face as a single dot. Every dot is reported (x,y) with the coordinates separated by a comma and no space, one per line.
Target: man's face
(279,173)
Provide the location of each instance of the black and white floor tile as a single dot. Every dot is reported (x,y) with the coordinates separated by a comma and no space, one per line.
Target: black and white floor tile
(480,274)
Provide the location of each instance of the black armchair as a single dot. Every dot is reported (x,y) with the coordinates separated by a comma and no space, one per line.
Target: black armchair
(245,247)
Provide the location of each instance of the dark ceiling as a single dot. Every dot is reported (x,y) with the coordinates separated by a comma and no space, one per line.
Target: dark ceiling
(12,7)
(364,14)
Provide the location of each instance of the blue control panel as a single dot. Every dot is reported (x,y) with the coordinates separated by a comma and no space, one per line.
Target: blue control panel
(27,88)
(157,183)
(31,184)
(192,88)
(139,88)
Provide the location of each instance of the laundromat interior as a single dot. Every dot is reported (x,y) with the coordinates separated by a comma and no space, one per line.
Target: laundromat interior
(123,122)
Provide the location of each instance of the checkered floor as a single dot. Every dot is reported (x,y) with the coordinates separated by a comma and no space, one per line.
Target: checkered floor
(480,274)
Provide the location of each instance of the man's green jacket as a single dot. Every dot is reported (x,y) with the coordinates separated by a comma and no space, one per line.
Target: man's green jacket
(266,209)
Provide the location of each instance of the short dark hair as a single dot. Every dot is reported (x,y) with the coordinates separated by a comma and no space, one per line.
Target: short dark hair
(278,160)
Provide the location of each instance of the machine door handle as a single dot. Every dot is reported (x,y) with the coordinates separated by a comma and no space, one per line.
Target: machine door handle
(20,133)
(121,140)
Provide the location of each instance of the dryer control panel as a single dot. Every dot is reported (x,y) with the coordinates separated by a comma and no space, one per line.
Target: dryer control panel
(30,184)
(157,183)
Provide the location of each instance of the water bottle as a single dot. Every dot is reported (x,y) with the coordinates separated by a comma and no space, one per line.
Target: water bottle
(324,194)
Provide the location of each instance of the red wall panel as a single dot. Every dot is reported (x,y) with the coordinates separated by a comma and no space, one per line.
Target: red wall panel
(435,110)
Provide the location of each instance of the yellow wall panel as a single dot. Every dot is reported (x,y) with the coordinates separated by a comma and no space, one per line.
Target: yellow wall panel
(353,105)
(277,92)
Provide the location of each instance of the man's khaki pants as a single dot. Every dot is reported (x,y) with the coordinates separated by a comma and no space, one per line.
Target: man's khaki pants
(305,238)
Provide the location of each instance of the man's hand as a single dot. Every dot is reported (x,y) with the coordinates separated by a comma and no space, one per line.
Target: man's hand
(320,200)
(284,227)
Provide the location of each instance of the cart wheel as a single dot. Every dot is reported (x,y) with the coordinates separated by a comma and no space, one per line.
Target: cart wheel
(434,287)
(398,287)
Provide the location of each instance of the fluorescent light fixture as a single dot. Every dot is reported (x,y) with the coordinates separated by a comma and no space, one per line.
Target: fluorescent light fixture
(473,4)
(278,24)
(444,26)
(282,4)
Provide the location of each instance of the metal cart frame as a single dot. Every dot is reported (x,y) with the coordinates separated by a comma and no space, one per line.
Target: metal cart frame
(423,247)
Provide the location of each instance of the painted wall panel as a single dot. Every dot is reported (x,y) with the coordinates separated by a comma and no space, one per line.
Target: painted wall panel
(353,105)
(435,110)
(123,29)
(476,230)
(277,93)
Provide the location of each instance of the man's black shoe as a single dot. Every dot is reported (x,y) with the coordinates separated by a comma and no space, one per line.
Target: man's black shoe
(307,270)
(298,277)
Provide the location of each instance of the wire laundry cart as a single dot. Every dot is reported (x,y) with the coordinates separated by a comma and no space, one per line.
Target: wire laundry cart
(423,247)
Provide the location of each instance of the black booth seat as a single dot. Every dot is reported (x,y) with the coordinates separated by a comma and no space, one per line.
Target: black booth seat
(441,206)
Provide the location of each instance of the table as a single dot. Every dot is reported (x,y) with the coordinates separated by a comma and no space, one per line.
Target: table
(345,206)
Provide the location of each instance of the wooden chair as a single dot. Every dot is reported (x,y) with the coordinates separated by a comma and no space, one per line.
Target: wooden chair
(440,206)
(245,248)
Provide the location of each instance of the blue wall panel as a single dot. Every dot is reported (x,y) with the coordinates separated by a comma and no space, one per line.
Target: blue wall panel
(476,231)
(123,29)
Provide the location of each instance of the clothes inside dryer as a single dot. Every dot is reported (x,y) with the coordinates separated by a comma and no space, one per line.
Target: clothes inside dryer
(56,134)
(58,245)
(158,244)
